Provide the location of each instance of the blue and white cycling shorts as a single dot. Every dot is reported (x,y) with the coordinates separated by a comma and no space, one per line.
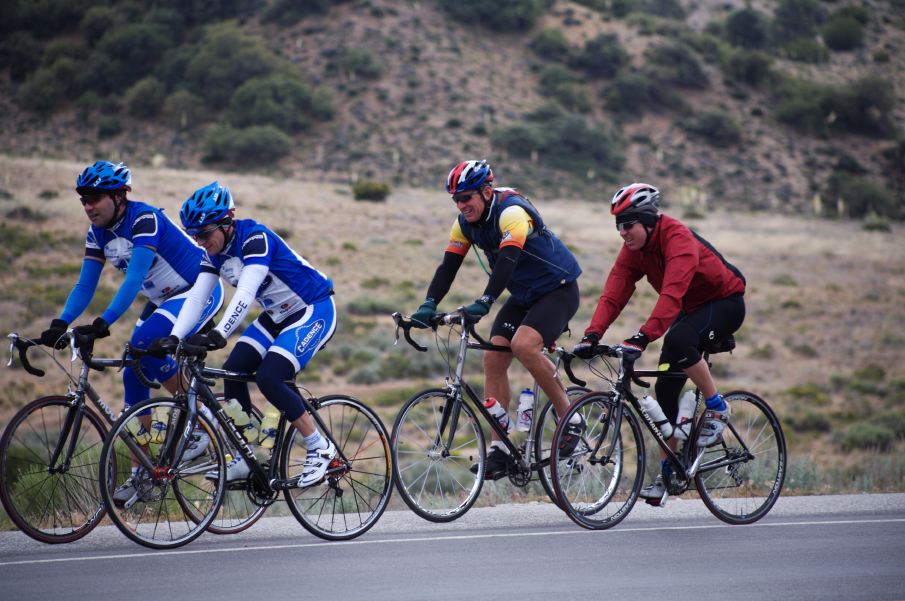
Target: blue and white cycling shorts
(300,338)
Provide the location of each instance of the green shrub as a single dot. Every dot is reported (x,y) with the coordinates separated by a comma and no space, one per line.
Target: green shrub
(355,62)
(806,50)
(551,44)
(715,128)
(370,190)
(256,145)
(601,56)
(49,87)
(675,63)
(748,28)
(566,87)
(108,126)
(290,12)
(664,8)
(632,92)
(280,101)
(748,67)
(505,15)
(876,223)
(183,110)
(796,19)
(867,435)
(811,421)
(861,196)
(21,53)
(72,49)
(146,97)
(96,21)
(842,33)
(134,49)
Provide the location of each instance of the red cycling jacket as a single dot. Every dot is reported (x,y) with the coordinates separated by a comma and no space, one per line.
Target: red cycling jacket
(682,267)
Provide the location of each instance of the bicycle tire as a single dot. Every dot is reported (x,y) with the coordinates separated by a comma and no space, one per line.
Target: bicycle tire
(738,490)
(598,483)
(59,507)
(237,511)
(543,437)
(436,483)
(360,436)
(173,505)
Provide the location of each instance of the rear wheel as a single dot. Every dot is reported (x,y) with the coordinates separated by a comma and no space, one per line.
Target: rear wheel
(434,477)
(543,438)
(357,487)
(598,482)
(741,476)
(57,503)
(164,504)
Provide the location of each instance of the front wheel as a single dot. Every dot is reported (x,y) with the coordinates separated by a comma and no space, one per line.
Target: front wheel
(597,468)
(433,475)
(57,503)
(740,476)
(153,499)
(357,487)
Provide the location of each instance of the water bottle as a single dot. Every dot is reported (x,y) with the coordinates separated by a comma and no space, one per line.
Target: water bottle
(244,423)
(268,436)
(525,410)
(139,433)
(160,417)
(652,407)
(687,406)
(499,414)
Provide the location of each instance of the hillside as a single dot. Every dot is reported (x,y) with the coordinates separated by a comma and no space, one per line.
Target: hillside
(822,341)
(400,91)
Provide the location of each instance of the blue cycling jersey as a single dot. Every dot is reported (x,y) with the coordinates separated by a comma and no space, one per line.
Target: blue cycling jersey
(291,283)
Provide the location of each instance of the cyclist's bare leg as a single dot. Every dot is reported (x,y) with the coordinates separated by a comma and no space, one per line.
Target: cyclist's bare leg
(496,375)
(526,346)
(304,424)
(700,375)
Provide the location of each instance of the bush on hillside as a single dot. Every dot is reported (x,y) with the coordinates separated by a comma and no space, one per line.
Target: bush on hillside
(134,50)
(504,15)
(671,9)
(252,146)
(146,97)
(861,196)
(97,20)
(601,56)
(676,64)
(842,33)
(355,63)
(290,12)
(44,18)
(64,48)
(182,110)
(21,53)
(49,87)
(632,92)
(749,67)
(173,64)
(748,28)
(796,19)
(806,50)
(715,128)
(280,101)
(551,44)
(566,87)
(370,190)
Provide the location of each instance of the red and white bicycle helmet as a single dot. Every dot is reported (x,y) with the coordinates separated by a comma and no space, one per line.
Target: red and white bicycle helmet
(469,175)
(635,199)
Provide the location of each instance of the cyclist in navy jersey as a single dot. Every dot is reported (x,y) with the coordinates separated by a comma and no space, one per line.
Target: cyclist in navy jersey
(299,314)
(158,260)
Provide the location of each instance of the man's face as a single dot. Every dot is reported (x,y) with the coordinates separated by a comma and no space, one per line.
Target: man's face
(470,204)
(212,239)
(633,233)
(99,208)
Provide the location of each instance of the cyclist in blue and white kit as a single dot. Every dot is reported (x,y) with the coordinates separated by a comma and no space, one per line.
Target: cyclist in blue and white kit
(299,314)
(158,259)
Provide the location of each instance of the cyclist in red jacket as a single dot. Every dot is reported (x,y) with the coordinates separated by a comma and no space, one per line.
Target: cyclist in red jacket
(701,301)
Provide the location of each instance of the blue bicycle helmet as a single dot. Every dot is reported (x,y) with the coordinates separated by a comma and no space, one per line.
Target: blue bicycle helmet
(212,204)
(468,175)
(103,176)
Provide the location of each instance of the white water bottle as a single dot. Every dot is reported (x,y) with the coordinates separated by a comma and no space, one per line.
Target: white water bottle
(653,409)
(244,424)
(269,425)
(525,410)
(687,406)
(499,414)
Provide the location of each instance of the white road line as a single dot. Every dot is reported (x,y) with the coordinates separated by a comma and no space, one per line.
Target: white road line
(451,537)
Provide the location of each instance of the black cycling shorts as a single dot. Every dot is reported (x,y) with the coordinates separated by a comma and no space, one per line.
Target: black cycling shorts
(549,315)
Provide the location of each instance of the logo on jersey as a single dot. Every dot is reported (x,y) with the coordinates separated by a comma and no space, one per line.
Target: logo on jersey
(507,235)
(309,336)
(119,252)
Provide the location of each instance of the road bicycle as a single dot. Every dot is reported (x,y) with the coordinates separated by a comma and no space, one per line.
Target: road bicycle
(175,501)
(50,449)
(437,435)
(739,477)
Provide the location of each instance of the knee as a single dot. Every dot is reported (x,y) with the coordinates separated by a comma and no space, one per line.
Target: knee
(496,362)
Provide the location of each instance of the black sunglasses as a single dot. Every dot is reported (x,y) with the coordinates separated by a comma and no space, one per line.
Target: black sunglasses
(626,226)
(464,197)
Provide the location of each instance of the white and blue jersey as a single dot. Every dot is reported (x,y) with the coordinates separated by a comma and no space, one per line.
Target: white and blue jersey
(291,283)
(176,264)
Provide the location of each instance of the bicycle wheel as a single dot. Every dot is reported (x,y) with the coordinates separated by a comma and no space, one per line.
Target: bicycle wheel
(359,481)
(167,505)
(598,482)
(238,511)
(545,428)
(740,477)
(433,477)
(59,503)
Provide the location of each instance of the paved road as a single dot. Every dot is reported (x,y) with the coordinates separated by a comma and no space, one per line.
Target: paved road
(848,547)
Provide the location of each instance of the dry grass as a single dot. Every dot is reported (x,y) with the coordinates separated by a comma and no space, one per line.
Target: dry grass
(825,298)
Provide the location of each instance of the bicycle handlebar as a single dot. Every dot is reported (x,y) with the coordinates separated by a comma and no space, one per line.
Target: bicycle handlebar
(131,356)
(628,363)
(22,345)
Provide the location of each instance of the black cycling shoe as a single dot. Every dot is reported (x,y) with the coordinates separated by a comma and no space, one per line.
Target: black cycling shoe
(496,466)
(569,442)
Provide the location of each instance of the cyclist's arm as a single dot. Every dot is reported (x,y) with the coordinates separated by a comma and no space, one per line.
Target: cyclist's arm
(83,291)
(452,260)
(619,288)
(139,266)
(515,226)
(195,303)
(680,260)
(250,281)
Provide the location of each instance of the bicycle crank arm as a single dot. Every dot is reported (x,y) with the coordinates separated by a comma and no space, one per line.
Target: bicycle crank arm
(290,483)
(693,469)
